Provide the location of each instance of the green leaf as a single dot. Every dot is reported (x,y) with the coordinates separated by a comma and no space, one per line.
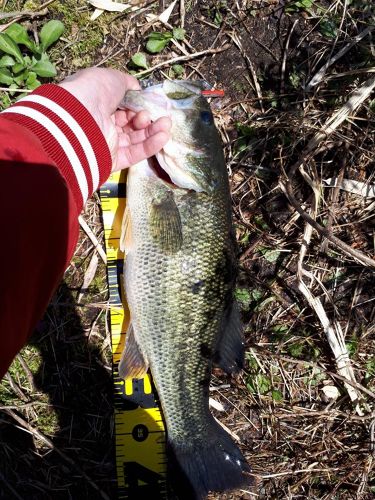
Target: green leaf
(328,28)
(158,35)
(264,384)
(20,79)
(139,59)
(277,395)
(6,61)
(218,18)
(260,383)
(280,328)
(27,60)
(270,254)
(352,346)
(6,76)
(14,86)
(44,67)
(295,350)
(8,46)
(260,222)
(31,77)
(178,69)
(19,35)
(50,33)
(243,296)
(154,46)
(32,81)
(291,7)
(18,67)
(294,79)
(179,33)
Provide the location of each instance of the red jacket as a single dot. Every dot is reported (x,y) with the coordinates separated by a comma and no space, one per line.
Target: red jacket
(53,156)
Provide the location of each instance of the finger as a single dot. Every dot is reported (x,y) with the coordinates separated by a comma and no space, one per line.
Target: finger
(141,120)
(122,117)
(130,120)
(135,153)
(135,137)
(161,125)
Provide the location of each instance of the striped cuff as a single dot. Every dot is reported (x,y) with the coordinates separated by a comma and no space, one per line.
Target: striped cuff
(69,135)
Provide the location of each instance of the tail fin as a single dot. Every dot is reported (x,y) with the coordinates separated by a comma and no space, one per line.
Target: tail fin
(213,464)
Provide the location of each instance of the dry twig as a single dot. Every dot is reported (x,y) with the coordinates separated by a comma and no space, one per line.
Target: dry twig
(93,238)
(182,58)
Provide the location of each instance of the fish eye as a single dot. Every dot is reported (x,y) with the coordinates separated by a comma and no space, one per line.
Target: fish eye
(207,118)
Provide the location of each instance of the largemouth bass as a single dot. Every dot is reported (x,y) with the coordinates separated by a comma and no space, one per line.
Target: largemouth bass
(180,271)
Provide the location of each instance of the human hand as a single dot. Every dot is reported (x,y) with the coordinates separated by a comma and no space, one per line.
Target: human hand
(131,137)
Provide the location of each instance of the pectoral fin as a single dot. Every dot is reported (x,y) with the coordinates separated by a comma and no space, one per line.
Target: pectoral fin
(229,353)
(126,236)
(165,224)
(132,363)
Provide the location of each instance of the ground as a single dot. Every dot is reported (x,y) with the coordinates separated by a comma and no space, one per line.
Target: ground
(293,414)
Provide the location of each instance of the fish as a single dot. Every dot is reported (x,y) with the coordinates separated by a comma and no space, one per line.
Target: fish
(180,271)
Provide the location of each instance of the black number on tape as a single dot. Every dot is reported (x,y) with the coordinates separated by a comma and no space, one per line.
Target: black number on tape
(140,432)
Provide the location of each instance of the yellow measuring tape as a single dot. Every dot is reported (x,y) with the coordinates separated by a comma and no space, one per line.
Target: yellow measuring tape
(139,428)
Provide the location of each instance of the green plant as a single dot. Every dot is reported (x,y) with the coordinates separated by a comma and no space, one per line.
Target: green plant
(246,297)
(352,346)
(245,134)
(297,5)
(260,383)
(295,79)
(139,60)
(370,370)
(178,70)
(270,254)
(157,41)
(22,68)
(215,12)
(328,28)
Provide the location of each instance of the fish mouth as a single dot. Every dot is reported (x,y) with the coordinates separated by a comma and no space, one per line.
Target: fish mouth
(184,181)
(179,176)
(160,172)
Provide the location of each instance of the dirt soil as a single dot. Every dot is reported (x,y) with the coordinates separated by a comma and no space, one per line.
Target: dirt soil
(306,433)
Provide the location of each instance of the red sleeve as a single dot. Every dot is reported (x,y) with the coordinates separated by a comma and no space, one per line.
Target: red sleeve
(52,157)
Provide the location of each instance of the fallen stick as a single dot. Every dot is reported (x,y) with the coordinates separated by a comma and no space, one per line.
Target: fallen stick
(93,238)
(181,59)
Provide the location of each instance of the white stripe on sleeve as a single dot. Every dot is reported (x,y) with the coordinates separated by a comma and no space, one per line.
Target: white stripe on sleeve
(75,128)
(61,139)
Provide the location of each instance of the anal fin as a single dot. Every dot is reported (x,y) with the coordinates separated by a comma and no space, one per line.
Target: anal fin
(132,363)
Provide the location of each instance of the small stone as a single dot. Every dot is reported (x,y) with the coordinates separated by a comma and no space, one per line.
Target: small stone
(331,392)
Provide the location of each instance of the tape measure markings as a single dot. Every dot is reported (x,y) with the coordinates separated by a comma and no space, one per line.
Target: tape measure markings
(139,428)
